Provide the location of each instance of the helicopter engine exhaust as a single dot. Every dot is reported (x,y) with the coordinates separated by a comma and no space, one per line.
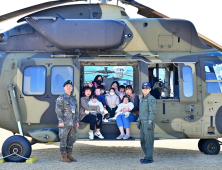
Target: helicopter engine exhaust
(80,34)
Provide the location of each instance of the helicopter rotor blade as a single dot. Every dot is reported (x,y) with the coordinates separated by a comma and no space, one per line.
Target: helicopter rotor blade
(144,10)
(34,8)
(127,75)
(90,73)
(102,71)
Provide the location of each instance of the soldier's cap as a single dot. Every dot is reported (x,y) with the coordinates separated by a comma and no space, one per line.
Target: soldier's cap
(67,82)
(146,84)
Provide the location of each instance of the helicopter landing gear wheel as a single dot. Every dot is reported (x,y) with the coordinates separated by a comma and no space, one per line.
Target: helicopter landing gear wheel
(200,144)
(210,146)
(18,147)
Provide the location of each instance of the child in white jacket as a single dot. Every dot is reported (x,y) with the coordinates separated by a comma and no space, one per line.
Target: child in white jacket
(95,102)
(124,108)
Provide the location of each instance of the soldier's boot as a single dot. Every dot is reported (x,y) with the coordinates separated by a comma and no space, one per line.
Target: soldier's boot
(69,155)
(64,158)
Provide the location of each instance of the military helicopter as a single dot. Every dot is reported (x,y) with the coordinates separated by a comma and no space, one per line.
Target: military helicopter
(56,43)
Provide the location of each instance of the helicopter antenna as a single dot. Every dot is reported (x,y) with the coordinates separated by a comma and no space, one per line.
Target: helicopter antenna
(60,15)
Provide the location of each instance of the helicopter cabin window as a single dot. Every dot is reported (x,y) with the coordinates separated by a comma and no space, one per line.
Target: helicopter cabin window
(213,70)
(59,75)
(34,80)
(187,81)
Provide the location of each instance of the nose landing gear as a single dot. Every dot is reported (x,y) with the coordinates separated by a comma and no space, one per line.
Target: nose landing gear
(16,149)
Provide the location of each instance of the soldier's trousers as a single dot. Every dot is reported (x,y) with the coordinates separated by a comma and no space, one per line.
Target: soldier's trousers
(67,137)
(147,140)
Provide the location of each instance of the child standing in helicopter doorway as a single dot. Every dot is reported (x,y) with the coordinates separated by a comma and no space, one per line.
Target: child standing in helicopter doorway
(121,92)
(102,90)
(100,96)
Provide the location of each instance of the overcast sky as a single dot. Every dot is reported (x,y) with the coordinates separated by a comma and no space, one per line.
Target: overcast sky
(205,14)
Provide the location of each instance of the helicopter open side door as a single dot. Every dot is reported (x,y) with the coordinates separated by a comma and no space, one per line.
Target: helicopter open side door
(211,74)
(140,75)
(188,83)
(40,82)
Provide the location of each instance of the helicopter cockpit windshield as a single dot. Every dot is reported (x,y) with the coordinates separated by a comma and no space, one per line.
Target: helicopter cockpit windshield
(213,71)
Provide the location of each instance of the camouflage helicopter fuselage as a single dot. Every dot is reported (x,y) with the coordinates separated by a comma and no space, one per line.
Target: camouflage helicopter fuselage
(103,35)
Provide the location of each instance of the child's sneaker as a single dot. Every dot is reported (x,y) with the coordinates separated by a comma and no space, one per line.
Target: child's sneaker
(126,137)
(99,135)
(120,136)
(113,118)
(91,136)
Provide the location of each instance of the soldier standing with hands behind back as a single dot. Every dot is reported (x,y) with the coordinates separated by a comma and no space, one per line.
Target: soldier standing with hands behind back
(146,124)
(68,116)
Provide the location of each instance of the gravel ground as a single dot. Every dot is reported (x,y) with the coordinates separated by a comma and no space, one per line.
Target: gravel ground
(168,154)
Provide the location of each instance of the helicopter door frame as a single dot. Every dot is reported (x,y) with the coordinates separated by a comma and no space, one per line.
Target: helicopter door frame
(211,102)
(182,68)
(143,77)
(41,108)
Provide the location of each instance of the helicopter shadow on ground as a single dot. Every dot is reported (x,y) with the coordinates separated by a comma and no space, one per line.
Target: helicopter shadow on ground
(112,157)
(89,150)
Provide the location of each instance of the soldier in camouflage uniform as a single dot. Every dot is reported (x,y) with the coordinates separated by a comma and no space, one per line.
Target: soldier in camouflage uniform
(68,116)
(146,123)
